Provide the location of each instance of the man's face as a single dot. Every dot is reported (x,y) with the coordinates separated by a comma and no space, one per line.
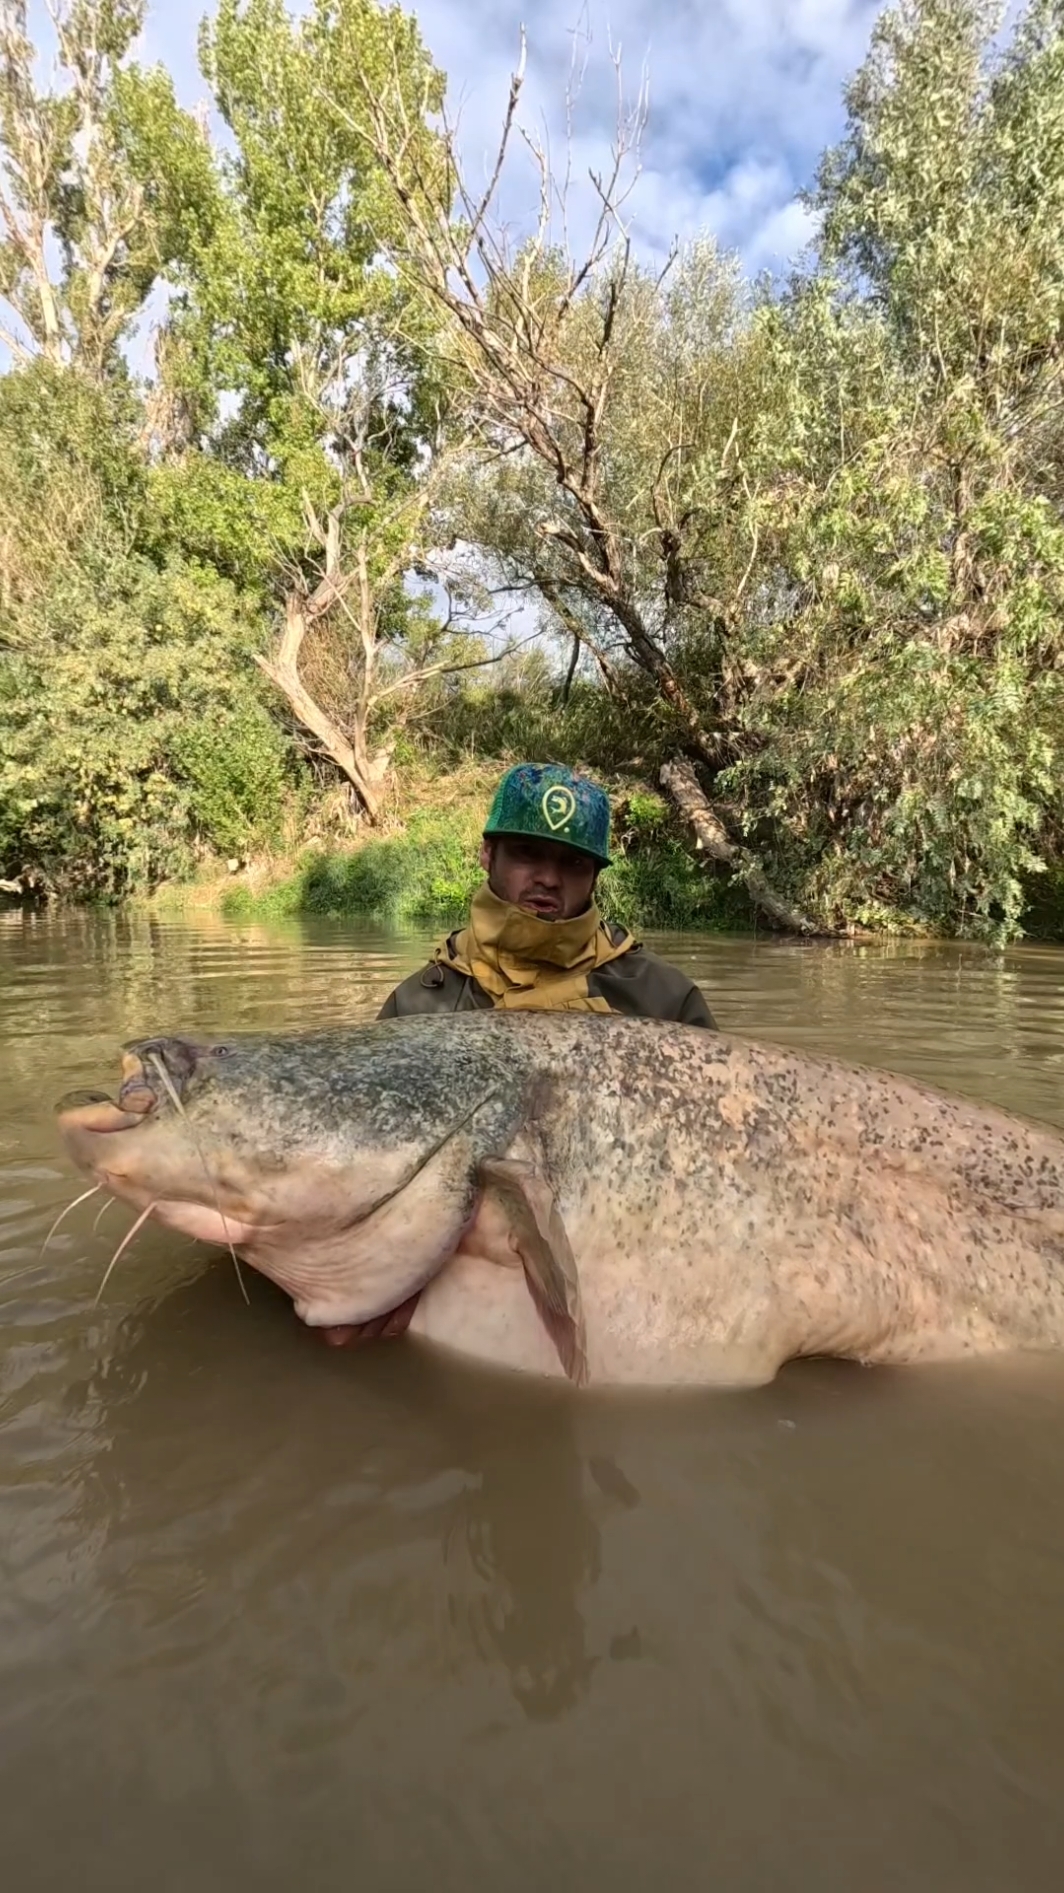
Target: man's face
(544,878)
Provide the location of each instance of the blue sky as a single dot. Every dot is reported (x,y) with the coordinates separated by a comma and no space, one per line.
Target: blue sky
(744,94)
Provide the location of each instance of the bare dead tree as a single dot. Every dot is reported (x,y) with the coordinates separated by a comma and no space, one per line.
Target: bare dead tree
(303,608)
(510,315)
(535,335)
(364,548)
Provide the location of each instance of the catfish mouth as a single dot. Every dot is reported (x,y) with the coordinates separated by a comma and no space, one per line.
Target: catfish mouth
(96,1130)
(84,1114)
(105,1136)
(151,1070)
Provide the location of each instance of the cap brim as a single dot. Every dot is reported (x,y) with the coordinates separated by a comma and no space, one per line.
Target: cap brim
(533,834)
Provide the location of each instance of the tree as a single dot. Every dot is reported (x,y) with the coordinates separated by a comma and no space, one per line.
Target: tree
(116,661)
(292,345)
(600,402)
(105,169)
(942,210)
(364,552)
(814,517)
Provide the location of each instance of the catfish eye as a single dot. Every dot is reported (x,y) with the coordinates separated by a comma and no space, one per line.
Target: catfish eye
(221,1051)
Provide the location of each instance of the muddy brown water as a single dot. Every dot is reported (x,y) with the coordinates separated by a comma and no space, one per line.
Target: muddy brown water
(274,1617)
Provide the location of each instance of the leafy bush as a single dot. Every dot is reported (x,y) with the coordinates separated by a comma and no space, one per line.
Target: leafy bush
(655,882)
(237,772)
(516,713)
(427,874)
(110,680)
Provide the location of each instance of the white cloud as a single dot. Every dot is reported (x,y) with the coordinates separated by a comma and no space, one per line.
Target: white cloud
(781,238)
(744,94)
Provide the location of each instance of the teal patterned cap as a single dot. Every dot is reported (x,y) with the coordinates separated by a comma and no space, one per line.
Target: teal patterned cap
(551,803)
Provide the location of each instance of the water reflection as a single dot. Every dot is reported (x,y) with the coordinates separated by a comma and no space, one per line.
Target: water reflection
(534,1542)
(399,1451)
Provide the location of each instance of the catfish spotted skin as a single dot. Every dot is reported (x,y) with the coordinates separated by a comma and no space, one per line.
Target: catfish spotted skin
(723,1206)
(305,1092)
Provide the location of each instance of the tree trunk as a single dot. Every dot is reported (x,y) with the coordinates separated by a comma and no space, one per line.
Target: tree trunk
(679,781)
(362,771)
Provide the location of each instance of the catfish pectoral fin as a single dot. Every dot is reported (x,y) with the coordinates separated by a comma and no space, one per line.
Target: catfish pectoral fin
(539,1235)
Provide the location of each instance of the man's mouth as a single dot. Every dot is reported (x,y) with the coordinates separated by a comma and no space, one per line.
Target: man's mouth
(544,905)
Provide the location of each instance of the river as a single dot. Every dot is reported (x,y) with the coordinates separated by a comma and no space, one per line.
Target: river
(274,1617)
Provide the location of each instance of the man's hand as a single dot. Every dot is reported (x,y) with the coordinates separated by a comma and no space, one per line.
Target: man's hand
(382,1327)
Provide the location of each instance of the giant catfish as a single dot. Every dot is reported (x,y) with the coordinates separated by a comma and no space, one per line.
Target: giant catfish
(617,1200)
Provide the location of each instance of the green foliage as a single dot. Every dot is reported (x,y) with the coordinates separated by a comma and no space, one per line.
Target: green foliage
(138,587)
(70,481)
(222,519)
(239,778)
(835,509)
(924,813)
(946,196)
(426,875)
(102,786)
(655,881)
(1043,913)
(105,167)
(303,393)
(132,726)
(663,890)
(516,712)
(289,289)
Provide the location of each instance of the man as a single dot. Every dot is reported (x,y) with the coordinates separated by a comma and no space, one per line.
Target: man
(535,938)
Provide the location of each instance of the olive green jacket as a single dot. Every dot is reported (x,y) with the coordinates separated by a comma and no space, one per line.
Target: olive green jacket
(637,984)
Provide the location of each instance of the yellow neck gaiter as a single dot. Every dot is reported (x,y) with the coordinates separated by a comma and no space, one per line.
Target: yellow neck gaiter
(527,964)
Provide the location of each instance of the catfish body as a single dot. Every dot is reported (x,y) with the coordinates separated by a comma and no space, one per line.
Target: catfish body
(621,1201)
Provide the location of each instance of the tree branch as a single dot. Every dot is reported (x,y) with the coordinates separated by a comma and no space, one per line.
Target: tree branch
(283,672)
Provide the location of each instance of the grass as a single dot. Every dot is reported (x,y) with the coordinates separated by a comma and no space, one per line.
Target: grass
(426,874)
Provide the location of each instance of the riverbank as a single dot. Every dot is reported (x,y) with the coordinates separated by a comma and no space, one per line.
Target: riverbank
(426,876)
(420,868)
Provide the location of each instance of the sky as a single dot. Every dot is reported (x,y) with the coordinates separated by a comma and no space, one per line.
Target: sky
(743,96)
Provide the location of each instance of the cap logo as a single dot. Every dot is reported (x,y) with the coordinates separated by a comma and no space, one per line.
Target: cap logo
(559,807)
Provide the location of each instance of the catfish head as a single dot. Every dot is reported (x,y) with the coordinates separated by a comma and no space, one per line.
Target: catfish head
(346,1166)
